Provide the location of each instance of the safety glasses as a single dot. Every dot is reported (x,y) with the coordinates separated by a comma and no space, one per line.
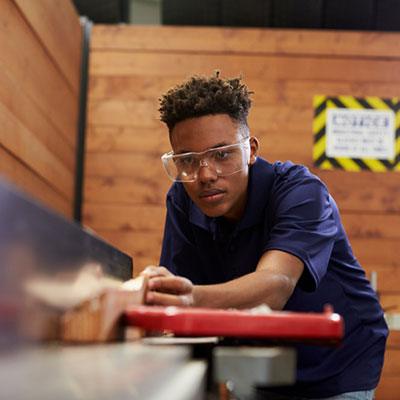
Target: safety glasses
(224,160)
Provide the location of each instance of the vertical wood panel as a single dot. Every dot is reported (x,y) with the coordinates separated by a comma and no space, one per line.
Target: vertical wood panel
(59,30)
(24,57)
(246,41)
(25,110)
(12,170)
(40,45)
(25,145)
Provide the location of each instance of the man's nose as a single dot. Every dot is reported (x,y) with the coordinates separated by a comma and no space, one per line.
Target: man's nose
(206,173)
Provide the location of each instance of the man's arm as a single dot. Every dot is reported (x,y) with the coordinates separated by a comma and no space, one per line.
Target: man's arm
(272,283)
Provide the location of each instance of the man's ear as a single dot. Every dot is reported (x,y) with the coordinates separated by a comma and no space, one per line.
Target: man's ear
(253,149)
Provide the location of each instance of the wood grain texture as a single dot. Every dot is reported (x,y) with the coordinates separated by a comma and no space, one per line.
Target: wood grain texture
(12,170)
(117,138)
(390,302)
(269,67)
(23,56)
(25,145)
(26,111)
(234,40)
(387,277)
(40,50)
(142,246)
(57,25)
(364,190)
(376,251)
(394,340)
(368,225)
(125,190)
(391,365)
(388,388)
(124,218)
(287,91)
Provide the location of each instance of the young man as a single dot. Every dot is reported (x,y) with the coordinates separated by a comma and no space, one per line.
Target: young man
(241,232)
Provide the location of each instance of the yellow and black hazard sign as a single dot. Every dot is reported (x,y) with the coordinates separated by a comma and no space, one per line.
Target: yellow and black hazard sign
(356,133)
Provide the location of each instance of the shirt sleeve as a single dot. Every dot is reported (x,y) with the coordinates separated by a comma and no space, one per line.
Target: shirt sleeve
(302,223)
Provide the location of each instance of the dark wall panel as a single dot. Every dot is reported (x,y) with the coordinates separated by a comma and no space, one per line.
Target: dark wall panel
(388,15)
(184,12)
(249,13)
(298,14)
(350,14)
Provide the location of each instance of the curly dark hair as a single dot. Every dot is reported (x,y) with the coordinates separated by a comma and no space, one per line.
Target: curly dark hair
(205,95)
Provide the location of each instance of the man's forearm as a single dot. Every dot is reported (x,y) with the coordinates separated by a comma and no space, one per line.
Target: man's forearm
(259,287)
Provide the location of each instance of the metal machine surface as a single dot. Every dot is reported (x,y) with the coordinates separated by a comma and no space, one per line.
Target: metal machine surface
(102,372)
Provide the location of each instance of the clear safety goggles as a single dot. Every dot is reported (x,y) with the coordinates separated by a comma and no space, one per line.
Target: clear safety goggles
(224,160)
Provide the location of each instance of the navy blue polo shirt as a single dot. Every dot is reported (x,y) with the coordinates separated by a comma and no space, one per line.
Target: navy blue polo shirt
(288,209)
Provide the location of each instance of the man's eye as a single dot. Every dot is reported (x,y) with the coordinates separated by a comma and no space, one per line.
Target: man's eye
(186,161)
(221,155)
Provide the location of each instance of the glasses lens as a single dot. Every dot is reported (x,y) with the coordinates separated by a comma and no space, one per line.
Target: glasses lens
(225,160)
(181,168)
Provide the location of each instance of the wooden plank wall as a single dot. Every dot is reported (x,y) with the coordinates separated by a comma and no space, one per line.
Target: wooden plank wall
(130,67)
(40,53)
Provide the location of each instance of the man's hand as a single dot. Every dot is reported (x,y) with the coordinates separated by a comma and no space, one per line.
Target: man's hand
(167,289)
(272,283)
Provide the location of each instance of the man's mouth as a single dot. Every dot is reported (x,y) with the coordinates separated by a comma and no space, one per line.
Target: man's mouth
(211,195)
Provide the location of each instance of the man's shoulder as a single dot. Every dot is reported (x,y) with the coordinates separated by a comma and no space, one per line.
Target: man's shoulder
(279,179)
(285,170)
(288,169)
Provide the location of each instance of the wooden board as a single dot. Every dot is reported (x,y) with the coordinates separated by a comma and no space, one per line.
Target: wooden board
(25,146)
(387,277)
(40,50)
(101,318)
(25,109)
(371,225)
(364,190)
(124,190)
(143,166)
(376,251)
(390,302)
(116,138)
(18,174)
(287,91)
(388,388)
(234,40)
(392,364)
(125,218)
(269,67)
(23,56)
(393,340)
(57,25)
(145,246)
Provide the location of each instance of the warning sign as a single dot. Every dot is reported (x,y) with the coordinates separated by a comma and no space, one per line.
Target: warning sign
(353,133)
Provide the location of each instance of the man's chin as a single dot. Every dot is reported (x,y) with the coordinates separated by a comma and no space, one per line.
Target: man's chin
(212,212)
